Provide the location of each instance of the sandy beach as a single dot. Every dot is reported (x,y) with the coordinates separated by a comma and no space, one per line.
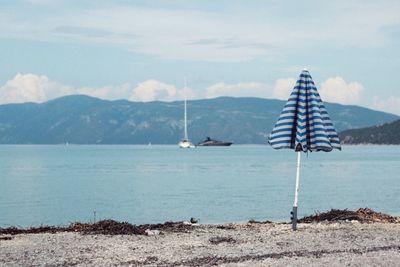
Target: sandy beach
(248,244)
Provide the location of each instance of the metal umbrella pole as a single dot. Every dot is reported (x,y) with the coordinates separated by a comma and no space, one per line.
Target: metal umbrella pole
(296,193)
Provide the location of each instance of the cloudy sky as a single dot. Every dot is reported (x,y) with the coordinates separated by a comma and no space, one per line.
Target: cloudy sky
(142,50)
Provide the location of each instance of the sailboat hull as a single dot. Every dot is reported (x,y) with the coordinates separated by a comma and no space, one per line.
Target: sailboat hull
(185,144)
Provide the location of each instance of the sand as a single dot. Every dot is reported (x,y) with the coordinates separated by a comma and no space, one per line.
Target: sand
(315,244)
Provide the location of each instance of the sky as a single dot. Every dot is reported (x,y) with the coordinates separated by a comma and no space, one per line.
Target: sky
(143,50)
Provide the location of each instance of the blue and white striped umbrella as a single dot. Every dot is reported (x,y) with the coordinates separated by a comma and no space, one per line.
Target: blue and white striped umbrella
(304,124)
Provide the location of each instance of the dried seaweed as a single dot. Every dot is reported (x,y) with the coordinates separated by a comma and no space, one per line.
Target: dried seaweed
(105,227)
(259,222)
(364,215)
(221,239)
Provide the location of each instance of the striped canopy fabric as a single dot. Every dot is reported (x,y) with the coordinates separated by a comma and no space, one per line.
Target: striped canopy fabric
(304,124)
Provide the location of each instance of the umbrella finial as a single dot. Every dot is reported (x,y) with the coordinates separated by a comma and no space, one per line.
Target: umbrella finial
(305,69)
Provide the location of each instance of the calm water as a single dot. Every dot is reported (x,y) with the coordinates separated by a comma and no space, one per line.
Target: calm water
(147,184)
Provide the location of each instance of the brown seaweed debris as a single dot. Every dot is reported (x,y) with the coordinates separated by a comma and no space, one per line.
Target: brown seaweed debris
(226,226)
(252,221)
(105,227)
(221,239)
(34,230)
(111,227)
(363,215)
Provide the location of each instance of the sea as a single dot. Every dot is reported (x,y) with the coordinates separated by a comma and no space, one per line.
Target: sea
(61,184)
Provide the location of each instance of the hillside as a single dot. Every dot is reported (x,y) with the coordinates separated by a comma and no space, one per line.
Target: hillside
(81,119)
(388,133)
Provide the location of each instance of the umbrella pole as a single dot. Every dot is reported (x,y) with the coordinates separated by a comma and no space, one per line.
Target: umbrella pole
(296,193)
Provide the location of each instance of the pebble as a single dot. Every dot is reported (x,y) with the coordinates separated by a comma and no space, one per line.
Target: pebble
(316,244)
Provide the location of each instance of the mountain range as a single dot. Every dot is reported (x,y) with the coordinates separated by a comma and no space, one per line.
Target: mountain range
(388,133)
(80,119)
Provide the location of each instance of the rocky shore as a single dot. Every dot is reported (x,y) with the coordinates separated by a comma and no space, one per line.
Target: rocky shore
(329,242)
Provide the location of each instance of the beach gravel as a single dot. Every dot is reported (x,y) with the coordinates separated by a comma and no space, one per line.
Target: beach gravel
(249,244)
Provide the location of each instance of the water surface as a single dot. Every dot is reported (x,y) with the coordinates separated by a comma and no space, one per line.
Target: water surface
(147,184)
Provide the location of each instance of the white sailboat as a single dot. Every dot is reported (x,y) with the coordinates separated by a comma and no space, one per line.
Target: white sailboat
(185,143)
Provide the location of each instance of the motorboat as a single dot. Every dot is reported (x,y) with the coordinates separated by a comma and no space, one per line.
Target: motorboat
(213,142)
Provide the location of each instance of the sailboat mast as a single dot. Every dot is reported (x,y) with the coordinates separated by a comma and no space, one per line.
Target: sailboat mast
(185,117)
(186,134)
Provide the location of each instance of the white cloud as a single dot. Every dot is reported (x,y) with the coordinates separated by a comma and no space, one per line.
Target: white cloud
(339,91)
(240,89)
(31,88)
(39,88)
(188,93)
(283,88)
(332,90)
(151,90)
(390,104)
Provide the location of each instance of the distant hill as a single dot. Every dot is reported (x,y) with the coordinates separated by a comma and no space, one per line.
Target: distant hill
(81,119)
(388,133)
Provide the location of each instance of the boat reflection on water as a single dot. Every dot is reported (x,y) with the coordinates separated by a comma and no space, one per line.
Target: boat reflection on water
(212,142)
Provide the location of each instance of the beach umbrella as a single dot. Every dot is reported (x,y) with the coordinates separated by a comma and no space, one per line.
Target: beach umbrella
(304,126)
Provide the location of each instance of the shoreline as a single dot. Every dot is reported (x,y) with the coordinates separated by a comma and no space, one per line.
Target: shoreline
(112,227)
(249,244)
(337,237)
(167,145)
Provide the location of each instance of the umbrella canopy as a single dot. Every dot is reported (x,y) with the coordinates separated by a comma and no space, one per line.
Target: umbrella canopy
(304,124)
